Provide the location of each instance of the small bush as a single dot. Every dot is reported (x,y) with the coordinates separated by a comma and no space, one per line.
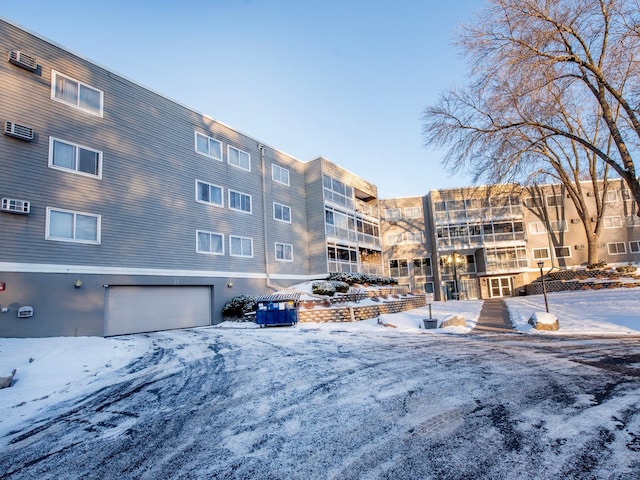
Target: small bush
(239,305)
(323,288)
(341,287)
(594,266)
(361,278)
(626,269)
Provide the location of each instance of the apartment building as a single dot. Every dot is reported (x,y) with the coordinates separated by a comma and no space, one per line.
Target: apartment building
(124,211)
(485,242)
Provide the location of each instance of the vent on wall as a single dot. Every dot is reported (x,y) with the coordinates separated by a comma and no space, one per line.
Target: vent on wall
(575,220)
(12,205)
(579,247)
(23,60)
(18,131)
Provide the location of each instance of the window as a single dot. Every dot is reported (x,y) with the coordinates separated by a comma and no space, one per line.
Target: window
(279,174)
(616,248)
(632,220)
(208,146)
(612,222)
(634,246)
(558,225)
(69,226)
(208,193)
(554,200)
(209,242)
(398,268)
(611,196)
(414,237)
(336,191)
(239,201)
(395,238)
(533,202)
(238,158)
(240,246)
(392,214)
(412,212)
(563,252)
(284,252)
(422,267)
(77,94)
(537,227)
(540,253)
(282,213)
(68,156)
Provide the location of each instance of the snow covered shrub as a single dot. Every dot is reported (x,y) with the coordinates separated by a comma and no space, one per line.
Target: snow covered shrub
(626,269)
(341,287)
(323,288)
(239,305)
(595,266)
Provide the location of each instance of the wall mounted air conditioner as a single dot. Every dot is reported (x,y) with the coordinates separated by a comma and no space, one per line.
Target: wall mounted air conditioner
(579,247)
(23,60)
(11,205)
(392,222)
(18,131)
(575,220)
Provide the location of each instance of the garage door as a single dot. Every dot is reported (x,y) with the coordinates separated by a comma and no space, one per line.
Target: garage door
(149,309)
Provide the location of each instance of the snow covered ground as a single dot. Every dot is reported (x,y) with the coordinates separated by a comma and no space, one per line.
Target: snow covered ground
(372,399)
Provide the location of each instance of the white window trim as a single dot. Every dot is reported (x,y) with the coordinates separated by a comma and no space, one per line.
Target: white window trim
(280,219)
(410,209)
(537,224)
(410,237)
(72,170)
(388,217)
(609,194)
(221,204)
(547,197)
(241,238)
(565,226)
(195,146)
(209,252)
(55,74)
(533,255)
(73,240)
(231,147)
(637,245)
(275,248)
(555,250)
(612,220)
(396,236)
(250,212)
(274,168)
(624,245)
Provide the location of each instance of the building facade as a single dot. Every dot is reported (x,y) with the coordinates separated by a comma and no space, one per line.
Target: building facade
(124,211)
(486,242)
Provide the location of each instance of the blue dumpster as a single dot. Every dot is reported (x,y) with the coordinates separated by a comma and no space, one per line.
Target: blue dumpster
(277,310)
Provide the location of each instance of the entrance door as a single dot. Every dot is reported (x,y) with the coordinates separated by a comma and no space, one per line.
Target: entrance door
(500,287)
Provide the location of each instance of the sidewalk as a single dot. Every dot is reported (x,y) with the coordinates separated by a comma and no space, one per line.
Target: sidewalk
(494,318)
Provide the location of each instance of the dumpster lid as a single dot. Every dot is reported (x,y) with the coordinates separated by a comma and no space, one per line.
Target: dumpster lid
(279,297)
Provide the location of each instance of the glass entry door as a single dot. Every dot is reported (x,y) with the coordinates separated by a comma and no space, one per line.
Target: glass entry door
(500,287)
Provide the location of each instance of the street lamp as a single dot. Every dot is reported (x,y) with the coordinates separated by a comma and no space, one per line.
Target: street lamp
(544,286)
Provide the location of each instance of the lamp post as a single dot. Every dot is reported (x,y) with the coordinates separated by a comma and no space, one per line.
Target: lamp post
(544,286)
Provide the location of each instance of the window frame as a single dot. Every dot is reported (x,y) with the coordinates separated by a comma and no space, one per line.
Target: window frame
(557,249)
(392,217)
(609,221)
(209,252)
(283,207)
(210,185)
(396,236)
(608,196)
(560,203)
(75,214)
(54,81)
(209,140)
(76,147)
(231,192)
(634,246)
(277,168)
(537,225)
(412,212)
(242,239)
(284,259)
(541,249)
(410,236)
(617,244)
(240,151)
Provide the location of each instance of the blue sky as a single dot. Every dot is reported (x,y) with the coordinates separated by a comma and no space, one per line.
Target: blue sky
(347,80)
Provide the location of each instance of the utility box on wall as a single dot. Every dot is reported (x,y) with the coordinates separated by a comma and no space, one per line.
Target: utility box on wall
(25,312)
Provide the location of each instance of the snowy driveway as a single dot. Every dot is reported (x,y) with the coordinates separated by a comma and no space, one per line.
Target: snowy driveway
(345,403)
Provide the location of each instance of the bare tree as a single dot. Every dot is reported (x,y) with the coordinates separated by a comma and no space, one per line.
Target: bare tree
(554,91)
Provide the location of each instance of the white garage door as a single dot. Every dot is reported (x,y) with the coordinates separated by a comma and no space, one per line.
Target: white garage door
(149,309)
